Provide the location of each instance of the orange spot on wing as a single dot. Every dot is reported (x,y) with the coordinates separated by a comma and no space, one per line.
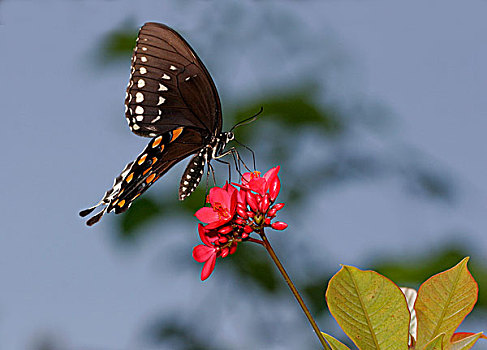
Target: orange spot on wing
(138,194)
(154,160)
(157,141)
(162,148)
(121,203)
(147,170)
(142,159)
(130,177)
(150,178)
(176,133)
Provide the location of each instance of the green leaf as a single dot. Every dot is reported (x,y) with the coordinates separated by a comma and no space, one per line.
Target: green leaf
(466,343)
(443,302)
(434,344)
(335,344)
(371,309)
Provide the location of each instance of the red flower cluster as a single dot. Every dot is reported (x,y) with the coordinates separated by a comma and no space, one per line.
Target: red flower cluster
(234,214)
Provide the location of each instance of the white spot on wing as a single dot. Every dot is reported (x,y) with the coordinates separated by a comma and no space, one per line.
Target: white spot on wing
(142,70)
(143,59)
(140,118)
(136,127)
(139,97)
(139,110)
(144,48)
(155,119)
(165,76)
(172,68)
(141,83)
(162,87)
(161,100)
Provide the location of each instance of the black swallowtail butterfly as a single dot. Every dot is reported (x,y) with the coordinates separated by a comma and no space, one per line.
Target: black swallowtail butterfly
(172,99)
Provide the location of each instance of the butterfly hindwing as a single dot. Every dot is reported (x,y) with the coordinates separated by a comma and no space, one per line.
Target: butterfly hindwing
(156,159)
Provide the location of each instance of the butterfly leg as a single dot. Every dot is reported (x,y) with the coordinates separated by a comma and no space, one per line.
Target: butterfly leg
(250,150)
(233,151)
(210,169)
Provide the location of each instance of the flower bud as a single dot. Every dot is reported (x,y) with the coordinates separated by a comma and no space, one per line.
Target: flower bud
(245,235)
(279,206)
(272,212)
(279,225)
(242,213)
(250,214)
(264,203)
(224,252)
(252,201)
(267,221)
(223,239)
(239,221)
(225,230)
(274,188)
(233,248)
(242,198)
(248,229)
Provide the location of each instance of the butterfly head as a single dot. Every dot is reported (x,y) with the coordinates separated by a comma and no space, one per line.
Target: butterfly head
(229,136)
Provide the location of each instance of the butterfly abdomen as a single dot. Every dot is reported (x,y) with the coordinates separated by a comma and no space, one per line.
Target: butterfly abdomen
(193,173)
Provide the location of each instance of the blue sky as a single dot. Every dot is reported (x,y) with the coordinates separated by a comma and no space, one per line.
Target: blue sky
(64,138)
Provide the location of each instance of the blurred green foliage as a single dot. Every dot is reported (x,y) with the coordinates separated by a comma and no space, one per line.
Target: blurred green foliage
(117,44)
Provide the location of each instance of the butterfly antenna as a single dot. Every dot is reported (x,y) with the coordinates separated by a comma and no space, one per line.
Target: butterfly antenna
(248,120)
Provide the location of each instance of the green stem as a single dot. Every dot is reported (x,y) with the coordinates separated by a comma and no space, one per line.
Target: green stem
(295,292)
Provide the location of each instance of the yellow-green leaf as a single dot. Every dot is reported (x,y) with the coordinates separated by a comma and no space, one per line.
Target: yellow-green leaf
(443,302)
(335,344)
(435,344)
(370,309)
(465,343)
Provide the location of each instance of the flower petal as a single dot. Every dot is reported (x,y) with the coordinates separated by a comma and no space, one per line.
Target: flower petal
(202,253)
(258,185)
(207,215)
(218,196)
(208,267)
(203,235)
(271,174)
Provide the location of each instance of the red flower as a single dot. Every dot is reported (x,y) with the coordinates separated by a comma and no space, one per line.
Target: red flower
(234,214)
(223,206)
(269,182)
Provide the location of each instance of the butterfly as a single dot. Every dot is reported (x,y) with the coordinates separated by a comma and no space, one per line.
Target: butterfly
(172,99)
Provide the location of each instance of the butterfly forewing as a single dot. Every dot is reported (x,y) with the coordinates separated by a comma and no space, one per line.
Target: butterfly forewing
(169,86)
